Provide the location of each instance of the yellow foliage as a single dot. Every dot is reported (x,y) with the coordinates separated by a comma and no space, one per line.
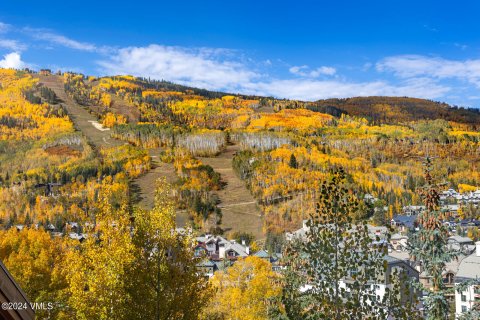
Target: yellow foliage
(161,94)
(213,113)
(111,119)
(106,100)
(97,270)
(133,160)
(244,290)
(462,188)
(29,121)
(34,259)
(291,119)
(123,82)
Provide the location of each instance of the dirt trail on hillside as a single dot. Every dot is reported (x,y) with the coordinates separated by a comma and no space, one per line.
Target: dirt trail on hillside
(83,120)
(159,170)
(239,208)
(144,186)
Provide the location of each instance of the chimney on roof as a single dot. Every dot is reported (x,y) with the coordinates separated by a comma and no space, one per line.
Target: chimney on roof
(247,250)
(477,248)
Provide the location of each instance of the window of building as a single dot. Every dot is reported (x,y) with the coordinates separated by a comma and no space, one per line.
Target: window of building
(464,298)
(464,308)
(448,279)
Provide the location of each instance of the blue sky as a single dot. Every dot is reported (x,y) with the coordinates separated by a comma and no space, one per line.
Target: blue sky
(294,49)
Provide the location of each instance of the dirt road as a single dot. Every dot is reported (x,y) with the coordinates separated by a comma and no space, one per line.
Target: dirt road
(239,208)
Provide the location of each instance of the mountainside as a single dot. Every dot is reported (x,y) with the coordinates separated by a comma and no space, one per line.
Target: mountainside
(396,109)
(378,109)
(163,85)
(127,160)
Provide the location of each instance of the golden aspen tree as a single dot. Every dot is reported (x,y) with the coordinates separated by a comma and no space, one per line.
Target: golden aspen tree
(244,291)
(164,281)
(35,260)
(96,271)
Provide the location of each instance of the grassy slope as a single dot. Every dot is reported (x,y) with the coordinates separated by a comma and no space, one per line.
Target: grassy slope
(78,114)
(239,208)
(144,185)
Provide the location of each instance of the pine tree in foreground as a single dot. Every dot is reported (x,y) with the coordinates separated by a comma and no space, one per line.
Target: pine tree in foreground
(429,246)
(330,274)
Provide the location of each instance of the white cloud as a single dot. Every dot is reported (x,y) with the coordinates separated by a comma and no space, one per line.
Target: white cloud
(4,27)
(203,67)
(366,66)
(304,71)
(12,60)
(430,28)
(232,71)
(305,89)
(41,34)
(296,69)
(408,66)
(461,46)
(12,45)
(221,70)
(67,42)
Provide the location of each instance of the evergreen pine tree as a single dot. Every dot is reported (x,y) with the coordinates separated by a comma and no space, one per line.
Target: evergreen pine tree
(293,162)
(429,246)
(329,274)
(28,220)
(379,213)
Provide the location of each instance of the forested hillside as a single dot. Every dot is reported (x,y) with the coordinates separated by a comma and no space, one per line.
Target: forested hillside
(396,109)
(78,153)
(286,147)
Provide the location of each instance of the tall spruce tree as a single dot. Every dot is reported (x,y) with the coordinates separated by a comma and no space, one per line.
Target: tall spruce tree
(330,274)
(293,162)
(429,246)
